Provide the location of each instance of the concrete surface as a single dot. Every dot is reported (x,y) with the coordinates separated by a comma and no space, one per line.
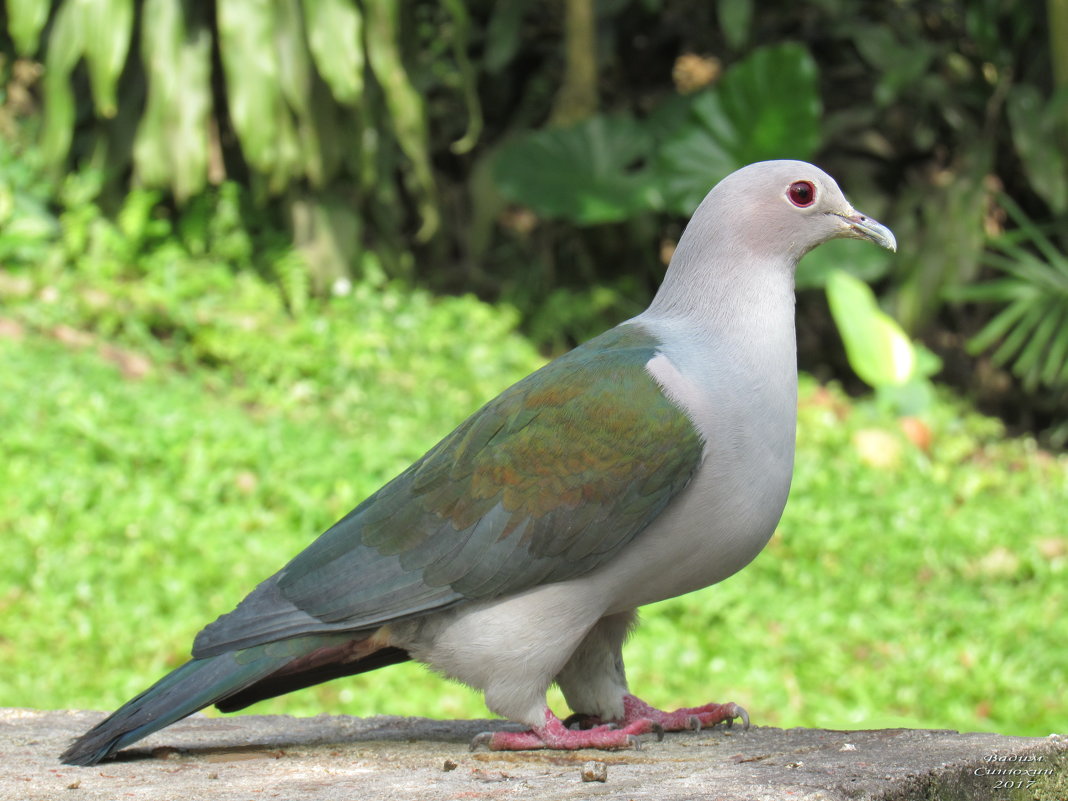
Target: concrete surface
(329,758)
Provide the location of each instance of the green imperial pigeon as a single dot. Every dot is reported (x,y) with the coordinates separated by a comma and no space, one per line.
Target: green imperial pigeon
(651,461)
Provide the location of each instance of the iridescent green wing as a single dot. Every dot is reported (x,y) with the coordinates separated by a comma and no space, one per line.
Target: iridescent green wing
(544,483)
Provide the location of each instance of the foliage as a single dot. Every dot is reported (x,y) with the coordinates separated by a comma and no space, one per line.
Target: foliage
(593,172)
(915,101)
(1040,132)
(946,119)
(1031,331)
(604,170)
(27,226)
(303,93)
(177,428)
(765,107)
(879,352)
(398,138)
(859,260)
(175,310)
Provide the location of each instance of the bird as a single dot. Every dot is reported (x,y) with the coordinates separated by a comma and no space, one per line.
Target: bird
(651,461)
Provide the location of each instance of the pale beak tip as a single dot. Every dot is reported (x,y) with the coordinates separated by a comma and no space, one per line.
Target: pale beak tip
(864,227)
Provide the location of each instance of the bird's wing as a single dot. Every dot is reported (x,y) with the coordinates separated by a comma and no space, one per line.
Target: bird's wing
(544,483)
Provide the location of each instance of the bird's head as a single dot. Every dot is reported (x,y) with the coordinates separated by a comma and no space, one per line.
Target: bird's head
(789,207)
(747,236)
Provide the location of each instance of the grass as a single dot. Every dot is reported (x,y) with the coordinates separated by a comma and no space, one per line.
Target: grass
(148,481)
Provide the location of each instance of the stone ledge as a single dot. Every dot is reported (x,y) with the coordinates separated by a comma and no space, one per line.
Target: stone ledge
(328,758)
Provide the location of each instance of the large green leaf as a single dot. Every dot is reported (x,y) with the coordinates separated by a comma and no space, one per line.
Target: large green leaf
(879,352)
(335,38)
(25,21)
(325,134)
(257,105)
(899,64)
(461,27)
(503,34)
(296,79)
(736,21)
(407,110)
(108,28)
(766,107)
(66,43)
(162,31)
(172,141)
(294,63)
(593,172)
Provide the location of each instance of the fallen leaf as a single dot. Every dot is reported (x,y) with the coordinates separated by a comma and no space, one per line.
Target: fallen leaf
(999,563)
(72,337)
(131,365)
(10,329)
(15,286)
(917,431)
(822,397)
(877,448)
(1053,548)
(246,482)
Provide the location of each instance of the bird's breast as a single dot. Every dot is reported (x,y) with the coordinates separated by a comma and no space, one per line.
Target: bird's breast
(711,530)
(728,512)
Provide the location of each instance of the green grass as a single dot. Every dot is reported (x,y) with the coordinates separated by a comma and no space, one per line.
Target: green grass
(903,588)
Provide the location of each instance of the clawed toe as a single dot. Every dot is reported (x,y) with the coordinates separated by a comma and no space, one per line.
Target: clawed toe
(739,712)
(554,734)
(692,719)
(580,720)
(640,719)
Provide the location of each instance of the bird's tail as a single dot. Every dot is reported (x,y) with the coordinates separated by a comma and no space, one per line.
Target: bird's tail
(195,685)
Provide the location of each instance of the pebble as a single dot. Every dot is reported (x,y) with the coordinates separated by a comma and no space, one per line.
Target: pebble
(594,771)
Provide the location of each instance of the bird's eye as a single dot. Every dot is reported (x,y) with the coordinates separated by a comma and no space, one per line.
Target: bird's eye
(801,193)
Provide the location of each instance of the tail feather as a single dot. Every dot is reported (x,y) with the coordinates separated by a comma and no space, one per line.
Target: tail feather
(195,685)
(286,681)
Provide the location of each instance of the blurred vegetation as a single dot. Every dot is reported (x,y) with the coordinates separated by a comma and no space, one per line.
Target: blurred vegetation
(547,152)
(245,250)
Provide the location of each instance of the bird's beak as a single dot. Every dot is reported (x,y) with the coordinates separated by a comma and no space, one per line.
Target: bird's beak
(860,226)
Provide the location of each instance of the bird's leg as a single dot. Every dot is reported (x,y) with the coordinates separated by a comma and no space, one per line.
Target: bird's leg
(581,720)
(594,680)
(698,717)
(595,685)
(693,718)
(555,735)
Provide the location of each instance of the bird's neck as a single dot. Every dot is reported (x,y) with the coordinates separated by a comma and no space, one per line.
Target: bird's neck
(728,320)
(719,285)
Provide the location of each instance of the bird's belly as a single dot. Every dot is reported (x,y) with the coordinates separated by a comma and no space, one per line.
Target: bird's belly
(712,530)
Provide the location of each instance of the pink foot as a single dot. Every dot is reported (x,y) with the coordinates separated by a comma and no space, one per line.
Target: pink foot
(553,734)
(696,718)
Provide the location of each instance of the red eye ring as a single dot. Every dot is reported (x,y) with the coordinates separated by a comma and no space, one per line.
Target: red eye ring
(802,194)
